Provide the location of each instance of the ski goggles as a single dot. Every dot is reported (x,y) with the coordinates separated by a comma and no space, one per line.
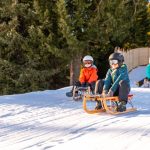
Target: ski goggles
(113,62)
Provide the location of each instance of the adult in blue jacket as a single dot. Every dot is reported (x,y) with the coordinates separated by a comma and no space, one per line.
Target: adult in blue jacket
(117,81)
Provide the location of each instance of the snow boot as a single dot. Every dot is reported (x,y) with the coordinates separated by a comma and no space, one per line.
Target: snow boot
(69,94)
(121,106)
(98,105)
(146,83)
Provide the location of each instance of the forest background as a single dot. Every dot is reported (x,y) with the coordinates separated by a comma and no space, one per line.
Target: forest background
(42,42)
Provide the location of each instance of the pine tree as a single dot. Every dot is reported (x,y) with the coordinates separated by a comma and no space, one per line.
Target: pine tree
(140,25)
(12,46)
(39,39)
(115,24)
(74,24)
(33,49)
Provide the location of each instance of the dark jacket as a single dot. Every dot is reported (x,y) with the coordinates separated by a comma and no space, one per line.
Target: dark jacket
(113,77)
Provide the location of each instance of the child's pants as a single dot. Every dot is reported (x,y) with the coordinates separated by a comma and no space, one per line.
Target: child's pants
(122,91)
(92,85)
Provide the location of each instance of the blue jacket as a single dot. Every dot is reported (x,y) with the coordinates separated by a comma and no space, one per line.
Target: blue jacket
(148,71)
(113,77)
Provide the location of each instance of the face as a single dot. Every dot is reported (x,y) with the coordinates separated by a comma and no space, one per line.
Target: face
(87,63)
(114,64)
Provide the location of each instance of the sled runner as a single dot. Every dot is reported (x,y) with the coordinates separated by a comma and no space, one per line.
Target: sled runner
(109,104)
(78,92)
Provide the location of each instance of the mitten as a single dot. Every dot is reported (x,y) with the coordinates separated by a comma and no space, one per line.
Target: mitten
(110,93)
(104,93)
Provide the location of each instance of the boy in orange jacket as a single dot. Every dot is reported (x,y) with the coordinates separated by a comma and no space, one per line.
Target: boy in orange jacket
(88,75)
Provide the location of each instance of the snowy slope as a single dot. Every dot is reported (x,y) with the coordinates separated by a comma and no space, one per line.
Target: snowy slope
(50,120)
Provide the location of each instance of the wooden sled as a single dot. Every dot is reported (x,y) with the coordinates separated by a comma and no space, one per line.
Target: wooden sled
(109,104)
(79,92)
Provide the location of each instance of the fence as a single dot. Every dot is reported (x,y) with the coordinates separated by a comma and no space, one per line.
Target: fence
(136,57)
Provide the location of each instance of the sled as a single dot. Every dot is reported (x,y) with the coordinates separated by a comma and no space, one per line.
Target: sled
(144,83)
(109,104)
(79,92)
(140,83)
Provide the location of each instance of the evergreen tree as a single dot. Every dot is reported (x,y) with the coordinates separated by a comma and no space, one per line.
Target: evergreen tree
(76,16)
(140,25)
(114,24)
(33,51)
(12,46)
(39,39)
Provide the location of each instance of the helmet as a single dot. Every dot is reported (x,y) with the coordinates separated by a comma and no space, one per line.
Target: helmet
(88,58)
(117,56)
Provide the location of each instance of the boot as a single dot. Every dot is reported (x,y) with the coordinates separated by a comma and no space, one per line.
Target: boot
(98,105)
(69,94)
(121,106)
(146,83)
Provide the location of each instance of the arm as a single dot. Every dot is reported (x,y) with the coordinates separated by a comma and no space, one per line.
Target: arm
(148,71)
(123,75)
(107,81)
(93,76)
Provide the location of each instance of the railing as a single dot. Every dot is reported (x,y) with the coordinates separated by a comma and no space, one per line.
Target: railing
(136,57)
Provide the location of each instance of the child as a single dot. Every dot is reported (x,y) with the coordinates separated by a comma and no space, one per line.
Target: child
(88,75)
(116,82)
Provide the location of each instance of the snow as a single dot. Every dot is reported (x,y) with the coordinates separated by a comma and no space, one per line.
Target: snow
(48,119)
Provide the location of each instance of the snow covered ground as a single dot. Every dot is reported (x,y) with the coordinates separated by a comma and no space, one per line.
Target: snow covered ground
(50,120)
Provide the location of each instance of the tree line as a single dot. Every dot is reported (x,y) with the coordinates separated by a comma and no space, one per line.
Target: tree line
(42,41)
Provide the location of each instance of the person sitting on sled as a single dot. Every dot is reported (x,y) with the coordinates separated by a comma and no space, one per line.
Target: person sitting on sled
(88,75)
(147,79)
(116,83)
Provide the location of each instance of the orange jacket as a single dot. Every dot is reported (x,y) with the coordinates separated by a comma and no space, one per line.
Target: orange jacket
(88,75)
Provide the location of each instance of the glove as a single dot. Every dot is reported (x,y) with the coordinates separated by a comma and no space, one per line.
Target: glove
(83,84)
(88,84)
(104,93)
(77,83)
(110,93)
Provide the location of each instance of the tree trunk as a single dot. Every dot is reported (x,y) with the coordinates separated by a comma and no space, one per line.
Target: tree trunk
(75,67)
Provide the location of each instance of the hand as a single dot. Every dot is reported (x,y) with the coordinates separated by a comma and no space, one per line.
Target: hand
(110,93)
(107,94)
(88,84)
(83,84)
(104,93)
(77,83)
